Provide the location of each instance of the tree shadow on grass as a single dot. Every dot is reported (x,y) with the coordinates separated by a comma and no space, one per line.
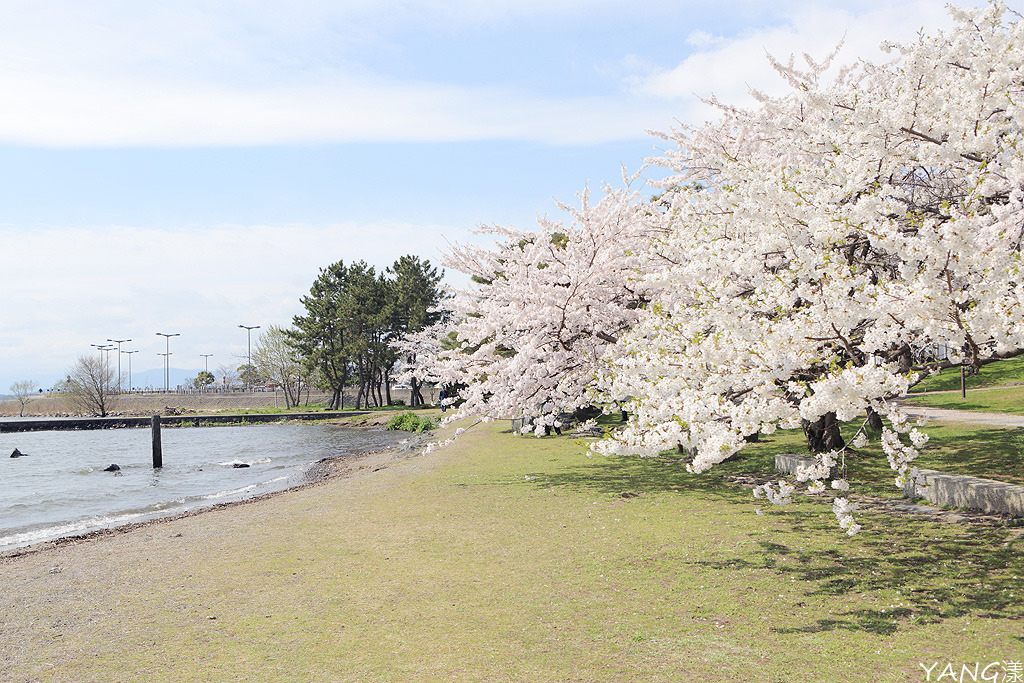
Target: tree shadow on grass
(987,452)
(937,578)
(630,476)
(941,572)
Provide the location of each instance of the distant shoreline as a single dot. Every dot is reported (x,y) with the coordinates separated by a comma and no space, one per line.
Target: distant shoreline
(140,405)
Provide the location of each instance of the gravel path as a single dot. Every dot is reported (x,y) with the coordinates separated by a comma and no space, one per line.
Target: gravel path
(971,416)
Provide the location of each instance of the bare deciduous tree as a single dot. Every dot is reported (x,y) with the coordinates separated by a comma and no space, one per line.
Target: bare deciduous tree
(92,386)
(22,390)
(228,376)
(275,359)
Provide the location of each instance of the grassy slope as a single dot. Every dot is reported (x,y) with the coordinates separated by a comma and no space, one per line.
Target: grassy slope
(996,400)
(521,559)
(997,374)
(974,450)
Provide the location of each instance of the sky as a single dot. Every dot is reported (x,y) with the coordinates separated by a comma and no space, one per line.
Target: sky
(188,167)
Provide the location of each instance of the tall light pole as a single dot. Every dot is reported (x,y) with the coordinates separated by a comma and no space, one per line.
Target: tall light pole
(248,368)
(206,357)
(103,362)
(102,348)
(129,353)
(167,359)
(119,342)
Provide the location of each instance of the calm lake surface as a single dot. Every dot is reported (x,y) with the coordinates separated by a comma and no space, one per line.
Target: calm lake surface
(60,489)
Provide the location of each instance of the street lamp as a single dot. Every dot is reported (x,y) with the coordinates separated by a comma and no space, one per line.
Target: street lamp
(167,359)
(102,348)
(129,353)
(248,368)
(206,357)
(119,342)
(103,364)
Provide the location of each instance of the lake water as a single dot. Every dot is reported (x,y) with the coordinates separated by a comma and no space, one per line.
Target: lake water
(60,489)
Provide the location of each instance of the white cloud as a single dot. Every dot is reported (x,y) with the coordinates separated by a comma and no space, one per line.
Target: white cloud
(68,288)
(110,73)
(729,67)
(192,72)
(62,111)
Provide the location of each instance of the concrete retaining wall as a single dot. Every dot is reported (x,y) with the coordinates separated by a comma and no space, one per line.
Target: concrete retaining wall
(948,490)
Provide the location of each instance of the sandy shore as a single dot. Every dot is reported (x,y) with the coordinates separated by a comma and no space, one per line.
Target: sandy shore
(64,602)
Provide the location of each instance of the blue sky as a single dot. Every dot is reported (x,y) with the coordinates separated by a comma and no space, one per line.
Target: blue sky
(188,167)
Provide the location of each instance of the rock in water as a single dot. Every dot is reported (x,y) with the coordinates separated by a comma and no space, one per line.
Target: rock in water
(112,468)
(18,454)
(240,464)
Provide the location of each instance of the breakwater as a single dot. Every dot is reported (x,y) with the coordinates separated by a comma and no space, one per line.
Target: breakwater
(81,423)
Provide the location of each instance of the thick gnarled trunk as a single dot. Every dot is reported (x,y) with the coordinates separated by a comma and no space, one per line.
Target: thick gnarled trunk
(823,434)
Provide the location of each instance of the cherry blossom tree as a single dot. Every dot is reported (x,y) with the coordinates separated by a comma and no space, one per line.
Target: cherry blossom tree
(822,245)
(527,339)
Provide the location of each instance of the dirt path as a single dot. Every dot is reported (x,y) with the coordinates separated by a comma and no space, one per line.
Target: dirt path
(968,416)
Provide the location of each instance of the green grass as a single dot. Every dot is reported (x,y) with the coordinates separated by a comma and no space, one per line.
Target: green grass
(997,400)
(401,406)
(312,408)
(409,422)
(524,559)
(972,450)
(996,374)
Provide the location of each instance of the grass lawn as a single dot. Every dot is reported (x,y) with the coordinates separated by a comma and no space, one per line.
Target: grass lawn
(996,374)
(997,400)
(524,559)
(973,450)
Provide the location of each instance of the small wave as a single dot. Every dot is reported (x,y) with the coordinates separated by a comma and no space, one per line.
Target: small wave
(236,461)
(50,532)
(242,489)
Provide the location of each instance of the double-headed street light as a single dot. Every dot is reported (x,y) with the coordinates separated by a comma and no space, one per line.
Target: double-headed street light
(119,342)
(167,359)
(206,357)
(101,348)
(129,354)
(248,368)
(103,362)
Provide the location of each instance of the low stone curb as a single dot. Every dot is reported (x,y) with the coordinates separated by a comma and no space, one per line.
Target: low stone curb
(948,490)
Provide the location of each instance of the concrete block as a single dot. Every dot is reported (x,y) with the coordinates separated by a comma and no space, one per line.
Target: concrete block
(788,462)
(948,490)
(954,490)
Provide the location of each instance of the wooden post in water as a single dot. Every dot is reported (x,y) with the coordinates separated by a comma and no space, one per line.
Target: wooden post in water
(158,456)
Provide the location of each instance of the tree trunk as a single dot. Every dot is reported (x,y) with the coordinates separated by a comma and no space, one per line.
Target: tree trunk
(823,434)
(415,397)
(874,422)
